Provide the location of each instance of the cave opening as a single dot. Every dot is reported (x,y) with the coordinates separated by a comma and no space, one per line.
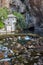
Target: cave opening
(22,1)
(31,29)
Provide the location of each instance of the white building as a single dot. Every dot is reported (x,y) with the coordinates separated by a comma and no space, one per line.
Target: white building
(10,23)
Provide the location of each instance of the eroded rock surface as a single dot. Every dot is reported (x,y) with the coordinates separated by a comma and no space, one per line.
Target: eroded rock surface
(33,10)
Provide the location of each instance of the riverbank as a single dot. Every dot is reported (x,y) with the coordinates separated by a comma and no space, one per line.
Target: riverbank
(18,34)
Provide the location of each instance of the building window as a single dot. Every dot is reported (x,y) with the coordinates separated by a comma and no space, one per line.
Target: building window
(8,22)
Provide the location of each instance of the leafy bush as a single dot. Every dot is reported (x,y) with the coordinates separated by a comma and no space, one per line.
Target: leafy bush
(3,13)
(20,20)
(1,24)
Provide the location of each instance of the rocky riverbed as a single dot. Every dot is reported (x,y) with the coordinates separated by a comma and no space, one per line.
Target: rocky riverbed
(21,51)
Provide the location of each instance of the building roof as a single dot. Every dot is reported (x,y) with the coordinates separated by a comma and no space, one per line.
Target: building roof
(11,16)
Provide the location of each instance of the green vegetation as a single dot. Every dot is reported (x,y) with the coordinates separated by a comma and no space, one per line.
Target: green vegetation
(3,15)
(20,18)
(1,24)
(20,21)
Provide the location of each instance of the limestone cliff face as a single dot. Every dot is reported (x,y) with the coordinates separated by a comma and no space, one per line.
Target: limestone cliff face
(33,9)
(4,3)
(18,6)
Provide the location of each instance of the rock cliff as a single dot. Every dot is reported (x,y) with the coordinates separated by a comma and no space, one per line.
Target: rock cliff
(33,10)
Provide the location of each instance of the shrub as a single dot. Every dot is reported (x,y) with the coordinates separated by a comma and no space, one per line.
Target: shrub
(3,15)
(20,20)
(1,24)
